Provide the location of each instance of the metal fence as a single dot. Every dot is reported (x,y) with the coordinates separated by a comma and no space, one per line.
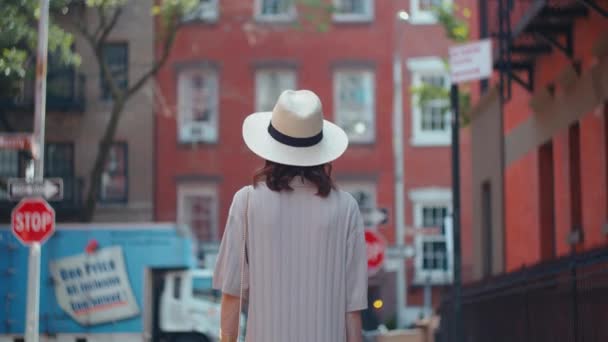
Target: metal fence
(562,300)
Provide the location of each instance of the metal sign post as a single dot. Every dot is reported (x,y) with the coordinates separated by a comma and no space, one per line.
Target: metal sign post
(33,279)
(458,333)
(468,62)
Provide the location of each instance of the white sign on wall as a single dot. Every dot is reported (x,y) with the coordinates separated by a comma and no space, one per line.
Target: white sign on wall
(471,61)
(94,288)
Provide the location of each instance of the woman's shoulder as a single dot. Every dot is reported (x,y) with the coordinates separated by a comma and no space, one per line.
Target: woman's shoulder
(241,196)
(347,198)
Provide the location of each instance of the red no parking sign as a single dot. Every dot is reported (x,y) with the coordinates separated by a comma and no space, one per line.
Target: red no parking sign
(376,249)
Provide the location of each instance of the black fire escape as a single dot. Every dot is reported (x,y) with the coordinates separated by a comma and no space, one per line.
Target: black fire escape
(526,29)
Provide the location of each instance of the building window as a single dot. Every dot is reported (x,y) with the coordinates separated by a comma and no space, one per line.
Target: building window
(354,101)
(422,10)
(353,10)
(205,11)
(546,190)
(275,10)
(198,105)
(9,168)
(116,58)
(269,84)
(115,178)
(576,205)
(486,229)
(431,122)
(198,214)
(59,160)
(434,233)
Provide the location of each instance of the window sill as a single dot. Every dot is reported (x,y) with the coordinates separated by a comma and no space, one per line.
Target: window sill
(275,19)
(422,141)
(423,278)
(352,19)
(423,19)
(196,143)
(361,143)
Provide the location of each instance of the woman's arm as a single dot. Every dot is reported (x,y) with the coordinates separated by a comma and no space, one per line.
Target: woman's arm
(354,327)
(229,329)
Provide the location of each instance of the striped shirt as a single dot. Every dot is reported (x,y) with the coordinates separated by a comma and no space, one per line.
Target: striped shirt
(306,265)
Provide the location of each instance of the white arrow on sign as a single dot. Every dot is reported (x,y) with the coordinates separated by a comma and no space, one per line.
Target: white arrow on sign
(50,188)
(375,216)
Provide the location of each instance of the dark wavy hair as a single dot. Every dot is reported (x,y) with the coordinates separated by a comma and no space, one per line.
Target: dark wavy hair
(278,176)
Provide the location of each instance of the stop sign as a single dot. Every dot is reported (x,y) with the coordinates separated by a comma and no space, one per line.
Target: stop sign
(33,220)
(376,247)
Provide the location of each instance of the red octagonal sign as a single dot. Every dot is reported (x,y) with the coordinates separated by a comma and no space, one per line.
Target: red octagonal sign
(33,220)
(376,247)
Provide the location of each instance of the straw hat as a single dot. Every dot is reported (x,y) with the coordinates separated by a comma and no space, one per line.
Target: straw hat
(295,133)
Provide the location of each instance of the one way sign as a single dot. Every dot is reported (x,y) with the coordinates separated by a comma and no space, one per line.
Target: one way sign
(50,189)
(374,216)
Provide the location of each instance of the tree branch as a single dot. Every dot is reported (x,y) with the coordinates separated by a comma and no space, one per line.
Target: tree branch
(168,43)
(97,44)
(102,22)
(105,32)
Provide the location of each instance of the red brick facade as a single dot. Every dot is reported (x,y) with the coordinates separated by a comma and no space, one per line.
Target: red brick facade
(525,195)
(228,165)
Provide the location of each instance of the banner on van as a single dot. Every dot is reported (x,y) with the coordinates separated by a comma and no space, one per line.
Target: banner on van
(94,288)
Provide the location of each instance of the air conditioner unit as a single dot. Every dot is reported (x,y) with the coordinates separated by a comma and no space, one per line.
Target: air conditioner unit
(197,132)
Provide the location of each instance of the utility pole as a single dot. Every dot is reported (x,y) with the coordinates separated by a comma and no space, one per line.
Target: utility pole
(32,318)
(398,141)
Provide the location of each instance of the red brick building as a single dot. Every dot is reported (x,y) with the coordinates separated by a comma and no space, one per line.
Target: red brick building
(554,143)
(539,149)
(230,60)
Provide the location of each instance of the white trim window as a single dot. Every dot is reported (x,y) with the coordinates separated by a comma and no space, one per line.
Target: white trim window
(422,10)
(431,123)
(269,84)
(198,108)
(353,10)
(275,10)
(354,104)
(433,241)
(205,11)
(197,207)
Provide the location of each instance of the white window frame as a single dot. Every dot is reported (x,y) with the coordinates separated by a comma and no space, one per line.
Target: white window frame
(368,16)
(260,77)
(369,135)
(197,189)
(290,16)
(184,127)
(206,11)
(432,197)
(419,67)
(423,17)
